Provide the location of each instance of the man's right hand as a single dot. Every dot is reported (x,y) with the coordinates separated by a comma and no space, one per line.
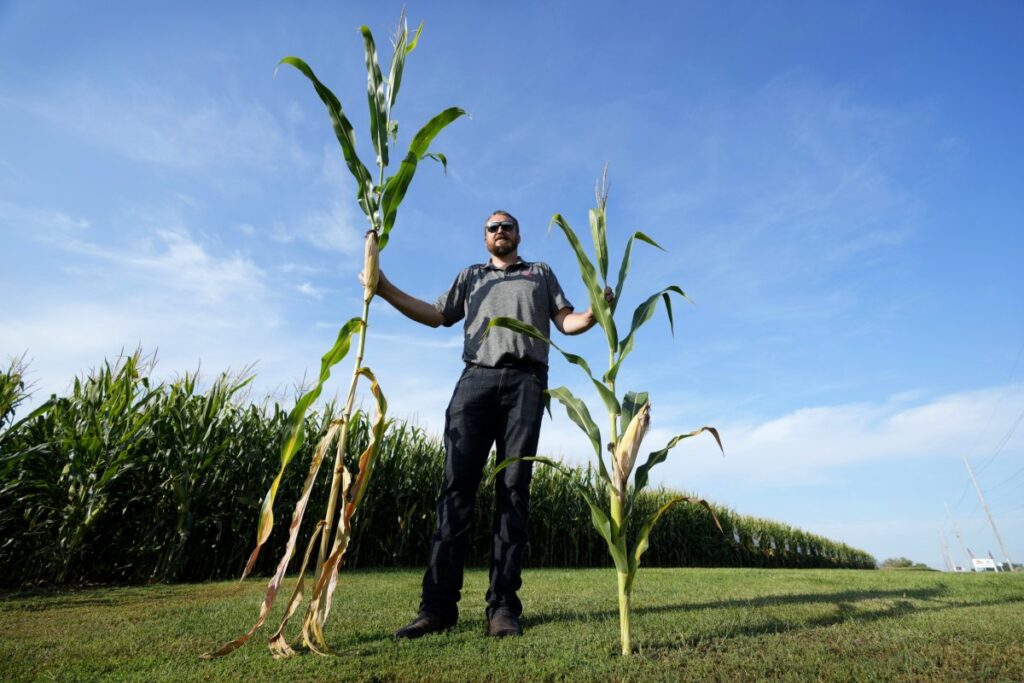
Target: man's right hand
(382,282)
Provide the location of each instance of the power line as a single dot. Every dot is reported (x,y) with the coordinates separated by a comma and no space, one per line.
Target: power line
(1008,479)
(1002,443)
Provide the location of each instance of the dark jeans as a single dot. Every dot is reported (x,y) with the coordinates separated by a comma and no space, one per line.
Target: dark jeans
(500,406)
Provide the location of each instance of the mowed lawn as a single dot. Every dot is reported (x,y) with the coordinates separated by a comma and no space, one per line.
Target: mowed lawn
(688,624)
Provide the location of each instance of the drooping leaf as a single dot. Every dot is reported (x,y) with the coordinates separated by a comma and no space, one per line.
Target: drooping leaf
(369,456)
(657,457)
(604,525)
(346,137)
(439,158)
(296,433)
(599,306)
(274,585)
(376,98)
(313,623)
(641,315)
(624,267)
(642,539)
(396,186)
(606,394)
(578,413)
(352,491)
(278,644)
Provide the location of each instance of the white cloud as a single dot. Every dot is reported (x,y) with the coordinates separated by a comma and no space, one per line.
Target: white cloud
(179,263)
(337,229)
(309,290)
(813,444)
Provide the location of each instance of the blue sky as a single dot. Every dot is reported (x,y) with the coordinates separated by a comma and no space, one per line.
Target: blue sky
(837,186)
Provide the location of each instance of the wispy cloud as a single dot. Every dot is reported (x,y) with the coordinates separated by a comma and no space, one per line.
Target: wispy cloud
(177,262)
(307,289)
(335,229)
(36,221)
(152,124)
(813,444)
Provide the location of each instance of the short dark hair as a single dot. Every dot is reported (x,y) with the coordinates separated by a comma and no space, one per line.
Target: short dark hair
(506,214)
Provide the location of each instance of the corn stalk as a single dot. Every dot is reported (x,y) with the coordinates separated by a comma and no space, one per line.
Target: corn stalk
(379,200)
(628,419)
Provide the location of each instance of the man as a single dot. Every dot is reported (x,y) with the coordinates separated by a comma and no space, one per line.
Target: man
(498,400)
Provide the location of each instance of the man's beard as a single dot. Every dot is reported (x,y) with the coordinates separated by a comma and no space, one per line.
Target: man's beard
(504,248)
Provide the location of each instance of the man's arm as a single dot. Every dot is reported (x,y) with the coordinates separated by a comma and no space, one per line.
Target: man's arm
(409,306)
(568,322)
(571,323)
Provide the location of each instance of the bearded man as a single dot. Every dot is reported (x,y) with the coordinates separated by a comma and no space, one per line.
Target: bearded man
(497,401)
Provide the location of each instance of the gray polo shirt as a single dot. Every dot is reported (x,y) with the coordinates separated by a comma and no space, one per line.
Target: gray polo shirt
(526,291)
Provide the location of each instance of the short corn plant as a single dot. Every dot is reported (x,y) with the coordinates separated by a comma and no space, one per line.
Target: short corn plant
(628,419)
(379,199)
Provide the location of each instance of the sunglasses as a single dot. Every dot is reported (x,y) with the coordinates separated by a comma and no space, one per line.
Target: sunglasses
(507,226)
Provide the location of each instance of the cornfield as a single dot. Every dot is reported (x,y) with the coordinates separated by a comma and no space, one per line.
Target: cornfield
(129,480)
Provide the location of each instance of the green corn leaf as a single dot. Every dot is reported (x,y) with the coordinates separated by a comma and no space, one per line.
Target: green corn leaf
(598,305)
(346,137)
(403,46)
(375,96)
(631,403)
(439,158)
(415,39)
(604,525)
(599,232)
(657,457)
(642,539)
(606,394)
(396,186)
(624,267)
(578,413)
(421,141)
(296,433)
(641,315)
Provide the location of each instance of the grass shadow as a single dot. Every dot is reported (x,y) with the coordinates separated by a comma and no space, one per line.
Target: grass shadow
(767,601)
(845,612)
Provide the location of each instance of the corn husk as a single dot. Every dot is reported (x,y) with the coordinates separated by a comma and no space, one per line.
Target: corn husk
(629,446)
(371,265)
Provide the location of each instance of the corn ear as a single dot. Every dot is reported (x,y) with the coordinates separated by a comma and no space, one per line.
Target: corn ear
(629,446)
(371,265)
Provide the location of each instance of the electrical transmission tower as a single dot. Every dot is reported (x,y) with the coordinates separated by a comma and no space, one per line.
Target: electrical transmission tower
(946,559)
(956,532)
(988,512)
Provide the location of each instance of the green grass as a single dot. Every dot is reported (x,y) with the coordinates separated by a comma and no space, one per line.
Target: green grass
(689,624)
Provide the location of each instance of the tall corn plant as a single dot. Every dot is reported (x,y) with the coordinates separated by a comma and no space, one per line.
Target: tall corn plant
(379,199)
(628,418)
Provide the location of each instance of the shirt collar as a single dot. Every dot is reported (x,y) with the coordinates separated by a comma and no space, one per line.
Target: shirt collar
(520,263)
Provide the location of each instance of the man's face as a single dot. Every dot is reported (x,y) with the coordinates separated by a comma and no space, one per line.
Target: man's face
(505,237)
